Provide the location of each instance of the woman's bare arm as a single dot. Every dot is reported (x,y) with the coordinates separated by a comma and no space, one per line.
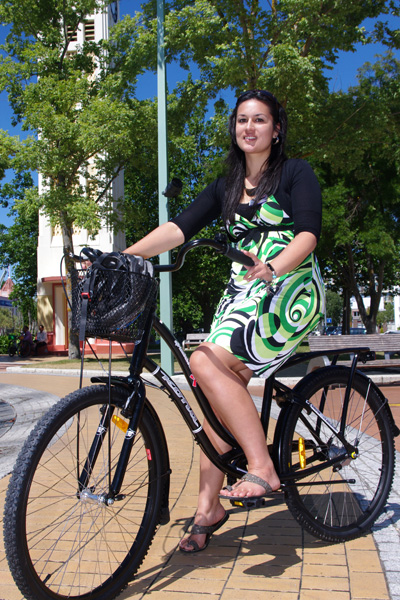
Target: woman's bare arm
(163,238)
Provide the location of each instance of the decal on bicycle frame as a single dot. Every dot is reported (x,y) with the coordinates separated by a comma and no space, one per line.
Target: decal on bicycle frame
(193,378)
(181,352)
(182,399)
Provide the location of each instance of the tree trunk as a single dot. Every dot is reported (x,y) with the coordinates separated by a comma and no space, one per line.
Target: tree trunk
(73,345)
(346,312)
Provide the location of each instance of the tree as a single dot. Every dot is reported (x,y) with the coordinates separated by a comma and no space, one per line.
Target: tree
(196,157)
(85,122)
(386,315)
(83,105)
(361,184)
(18,242)
(282,46)
(6,320)
(334,307)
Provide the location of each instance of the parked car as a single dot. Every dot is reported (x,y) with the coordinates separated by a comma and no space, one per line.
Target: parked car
(357,331)
(330,330)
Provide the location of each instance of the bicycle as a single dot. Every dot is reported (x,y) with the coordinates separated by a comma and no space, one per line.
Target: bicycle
(91,484)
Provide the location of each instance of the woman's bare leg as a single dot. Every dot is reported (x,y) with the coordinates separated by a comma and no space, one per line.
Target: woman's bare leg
(223,379)
(209,508)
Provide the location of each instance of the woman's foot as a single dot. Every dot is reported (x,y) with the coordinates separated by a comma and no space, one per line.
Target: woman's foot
(252,485)
(203,529)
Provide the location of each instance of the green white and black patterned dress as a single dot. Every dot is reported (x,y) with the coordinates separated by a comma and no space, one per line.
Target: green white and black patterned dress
(262,328)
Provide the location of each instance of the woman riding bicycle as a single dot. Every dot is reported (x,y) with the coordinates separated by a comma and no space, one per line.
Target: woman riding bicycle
(271,207)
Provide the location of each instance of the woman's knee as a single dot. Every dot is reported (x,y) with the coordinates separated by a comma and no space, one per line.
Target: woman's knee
(211,360)
(201,359)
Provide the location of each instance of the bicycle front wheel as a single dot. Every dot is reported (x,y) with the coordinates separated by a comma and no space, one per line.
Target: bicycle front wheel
(62,539)
(339,501)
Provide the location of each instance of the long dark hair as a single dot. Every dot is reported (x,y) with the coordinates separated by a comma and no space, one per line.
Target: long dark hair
(236,161)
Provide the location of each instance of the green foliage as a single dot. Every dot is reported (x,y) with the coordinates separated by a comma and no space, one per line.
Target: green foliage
(4,341)
(6,320)
(77,105)
(196,158)
(334,307)
(361,185)
(82,105)
(18,242)
(385,316)
(281,46)
(91,125)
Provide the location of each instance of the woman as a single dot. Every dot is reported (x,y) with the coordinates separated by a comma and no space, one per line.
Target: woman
(271,207)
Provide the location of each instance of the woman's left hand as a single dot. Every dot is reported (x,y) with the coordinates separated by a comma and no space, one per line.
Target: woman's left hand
(259,270)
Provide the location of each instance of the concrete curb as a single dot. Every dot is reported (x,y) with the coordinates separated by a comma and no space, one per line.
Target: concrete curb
(379,379)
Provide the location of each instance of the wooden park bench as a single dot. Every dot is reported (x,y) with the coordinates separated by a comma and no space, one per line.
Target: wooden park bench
(194,339)
(350,344)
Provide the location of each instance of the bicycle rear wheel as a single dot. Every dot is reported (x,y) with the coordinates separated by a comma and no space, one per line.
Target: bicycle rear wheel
(62,541)
(338,502)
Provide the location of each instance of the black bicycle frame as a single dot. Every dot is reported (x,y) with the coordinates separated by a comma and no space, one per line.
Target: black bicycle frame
(228,462)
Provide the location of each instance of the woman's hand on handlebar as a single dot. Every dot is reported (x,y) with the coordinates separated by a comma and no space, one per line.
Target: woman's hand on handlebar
(260,270)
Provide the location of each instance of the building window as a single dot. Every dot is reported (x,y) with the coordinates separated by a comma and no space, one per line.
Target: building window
(56,231)
(89,31)
(72,34)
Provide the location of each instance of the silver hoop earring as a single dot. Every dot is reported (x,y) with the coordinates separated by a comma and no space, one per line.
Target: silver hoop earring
(276,140)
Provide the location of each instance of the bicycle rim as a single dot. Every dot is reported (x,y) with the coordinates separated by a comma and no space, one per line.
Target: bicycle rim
(343,501)
(64,543)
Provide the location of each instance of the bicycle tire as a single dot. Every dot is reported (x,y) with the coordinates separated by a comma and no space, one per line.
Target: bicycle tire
(12,350)
(339,504)
(57,543)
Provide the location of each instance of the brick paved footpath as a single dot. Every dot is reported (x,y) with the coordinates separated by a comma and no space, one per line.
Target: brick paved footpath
(261,554)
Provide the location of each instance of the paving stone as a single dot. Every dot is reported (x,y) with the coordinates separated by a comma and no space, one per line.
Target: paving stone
(258,555)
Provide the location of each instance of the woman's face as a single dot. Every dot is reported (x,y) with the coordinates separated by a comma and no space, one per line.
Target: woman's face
(255,128)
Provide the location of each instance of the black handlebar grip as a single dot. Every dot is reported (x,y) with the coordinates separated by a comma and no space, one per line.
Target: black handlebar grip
(238,256)
(91,253)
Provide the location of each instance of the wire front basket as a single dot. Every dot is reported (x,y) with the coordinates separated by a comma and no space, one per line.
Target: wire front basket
(118,306)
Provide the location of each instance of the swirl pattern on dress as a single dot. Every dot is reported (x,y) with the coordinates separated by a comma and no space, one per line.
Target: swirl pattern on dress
(263,326)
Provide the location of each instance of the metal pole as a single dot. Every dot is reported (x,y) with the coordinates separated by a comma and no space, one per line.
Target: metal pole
(167,362)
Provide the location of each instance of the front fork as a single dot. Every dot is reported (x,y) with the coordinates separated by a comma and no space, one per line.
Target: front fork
(103,436)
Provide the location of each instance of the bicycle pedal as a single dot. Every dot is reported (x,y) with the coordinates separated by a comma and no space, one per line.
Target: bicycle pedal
(249,503)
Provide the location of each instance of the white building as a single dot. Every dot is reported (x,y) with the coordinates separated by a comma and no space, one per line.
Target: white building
(385,298)
(51,302)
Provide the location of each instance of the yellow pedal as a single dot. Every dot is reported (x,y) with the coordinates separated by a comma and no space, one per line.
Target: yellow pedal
(302,453)
(123,425)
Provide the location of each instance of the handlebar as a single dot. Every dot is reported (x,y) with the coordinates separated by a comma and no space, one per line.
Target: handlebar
(220,244)
(88,254)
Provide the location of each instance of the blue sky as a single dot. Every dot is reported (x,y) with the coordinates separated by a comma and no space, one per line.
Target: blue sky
(343,75)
